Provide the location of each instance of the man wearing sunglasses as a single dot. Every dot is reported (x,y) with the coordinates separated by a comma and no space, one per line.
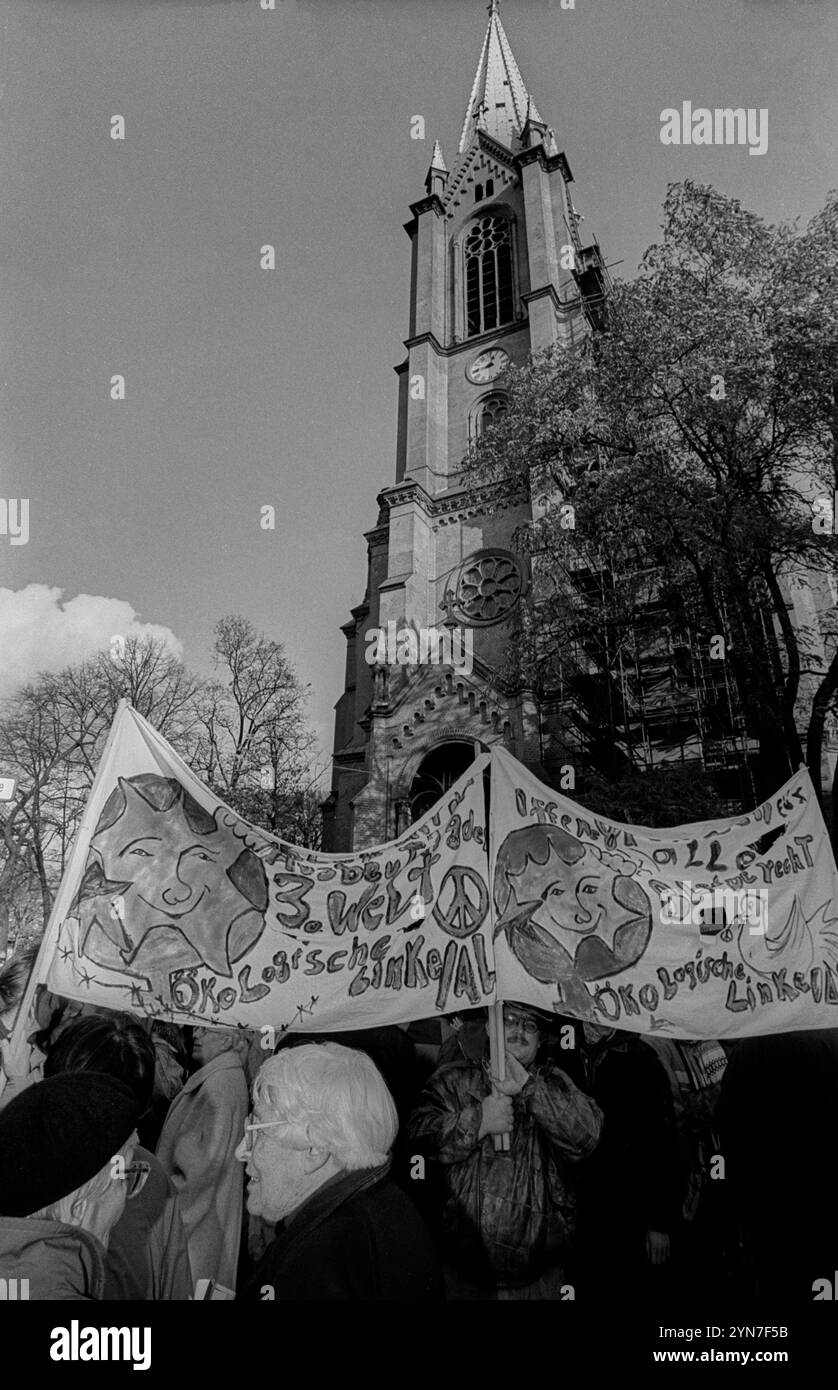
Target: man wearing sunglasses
(508,1215)
(317,1154)
(66,1171)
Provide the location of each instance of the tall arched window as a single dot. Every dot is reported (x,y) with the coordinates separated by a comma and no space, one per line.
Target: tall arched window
(488,275)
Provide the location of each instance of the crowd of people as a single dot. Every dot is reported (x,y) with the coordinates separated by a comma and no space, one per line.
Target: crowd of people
(140,1160)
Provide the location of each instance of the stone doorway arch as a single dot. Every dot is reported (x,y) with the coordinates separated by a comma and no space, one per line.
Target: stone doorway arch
(440,768)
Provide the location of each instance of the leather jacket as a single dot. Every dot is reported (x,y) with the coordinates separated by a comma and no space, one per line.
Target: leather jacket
(507,1217)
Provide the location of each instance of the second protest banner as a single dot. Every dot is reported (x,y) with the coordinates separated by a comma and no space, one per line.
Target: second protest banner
(714,930)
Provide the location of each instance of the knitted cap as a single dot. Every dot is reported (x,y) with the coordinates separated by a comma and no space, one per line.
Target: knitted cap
(58,1134)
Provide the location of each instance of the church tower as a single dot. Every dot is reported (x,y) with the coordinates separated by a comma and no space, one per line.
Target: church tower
(491,243)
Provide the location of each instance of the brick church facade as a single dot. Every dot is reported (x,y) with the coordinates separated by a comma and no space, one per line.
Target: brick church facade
(488,288)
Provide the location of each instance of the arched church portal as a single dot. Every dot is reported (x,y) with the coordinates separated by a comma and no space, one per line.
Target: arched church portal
(437,772)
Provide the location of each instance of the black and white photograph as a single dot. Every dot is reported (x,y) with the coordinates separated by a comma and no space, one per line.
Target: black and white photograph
(418,679)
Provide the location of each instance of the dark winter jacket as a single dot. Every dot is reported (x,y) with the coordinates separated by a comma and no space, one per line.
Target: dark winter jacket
(632,1182)
(778,1115)
(358,1237)
(62,1263)
(507,1217)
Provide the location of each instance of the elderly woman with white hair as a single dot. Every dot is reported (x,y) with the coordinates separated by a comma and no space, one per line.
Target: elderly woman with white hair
(317,1149)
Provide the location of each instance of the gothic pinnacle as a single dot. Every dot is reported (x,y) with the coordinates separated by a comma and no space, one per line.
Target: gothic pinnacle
(437,175)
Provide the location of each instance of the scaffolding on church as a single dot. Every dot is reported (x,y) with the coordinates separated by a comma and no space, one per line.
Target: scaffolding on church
(642,692)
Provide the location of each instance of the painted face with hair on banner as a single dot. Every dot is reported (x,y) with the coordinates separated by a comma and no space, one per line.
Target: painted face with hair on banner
(717,929)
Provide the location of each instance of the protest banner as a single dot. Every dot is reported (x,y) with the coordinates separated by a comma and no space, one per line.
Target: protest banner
(174,907)
(718,929)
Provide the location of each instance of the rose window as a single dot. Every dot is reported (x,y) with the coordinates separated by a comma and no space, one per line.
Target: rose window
(486,588)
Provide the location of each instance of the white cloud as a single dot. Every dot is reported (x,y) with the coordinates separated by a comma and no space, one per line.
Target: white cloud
(38,632)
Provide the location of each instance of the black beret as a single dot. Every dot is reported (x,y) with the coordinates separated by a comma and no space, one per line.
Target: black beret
(58,1134)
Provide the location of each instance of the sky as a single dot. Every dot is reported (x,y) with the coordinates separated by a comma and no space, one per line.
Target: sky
(247,388)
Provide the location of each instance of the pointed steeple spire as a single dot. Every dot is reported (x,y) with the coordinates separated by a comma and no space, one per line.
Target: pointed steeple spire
(499,98)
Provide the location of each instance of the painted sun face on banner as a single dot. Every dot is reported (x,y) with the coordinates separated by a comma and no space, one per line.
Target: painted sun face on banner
(567,914)
(166,886)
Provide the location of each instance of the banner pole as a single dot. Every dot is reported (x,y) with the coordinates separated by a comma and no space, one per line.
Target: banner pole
(81,843)
(497,1037)
(497,1062)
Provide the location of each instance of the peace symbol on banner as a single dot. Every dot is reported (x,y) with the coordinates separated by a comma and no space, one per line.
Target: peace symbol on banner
(461,911)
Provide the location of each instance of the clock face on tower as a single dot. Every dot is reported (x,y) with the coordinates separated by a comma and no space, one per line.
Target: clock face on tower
(488,365)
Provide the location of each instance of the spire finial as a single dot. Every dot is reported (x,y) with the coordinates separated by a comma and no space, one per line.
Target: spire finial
(493,7)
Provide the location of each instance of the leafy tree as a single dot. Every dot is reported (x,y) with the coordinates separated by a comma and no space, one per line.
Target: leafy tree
(673,461)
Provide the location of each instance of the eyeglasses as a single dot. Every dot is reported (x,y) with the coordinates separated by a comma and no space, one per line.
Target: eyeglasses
(250,1127)
(135,1178)
(525,1022)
